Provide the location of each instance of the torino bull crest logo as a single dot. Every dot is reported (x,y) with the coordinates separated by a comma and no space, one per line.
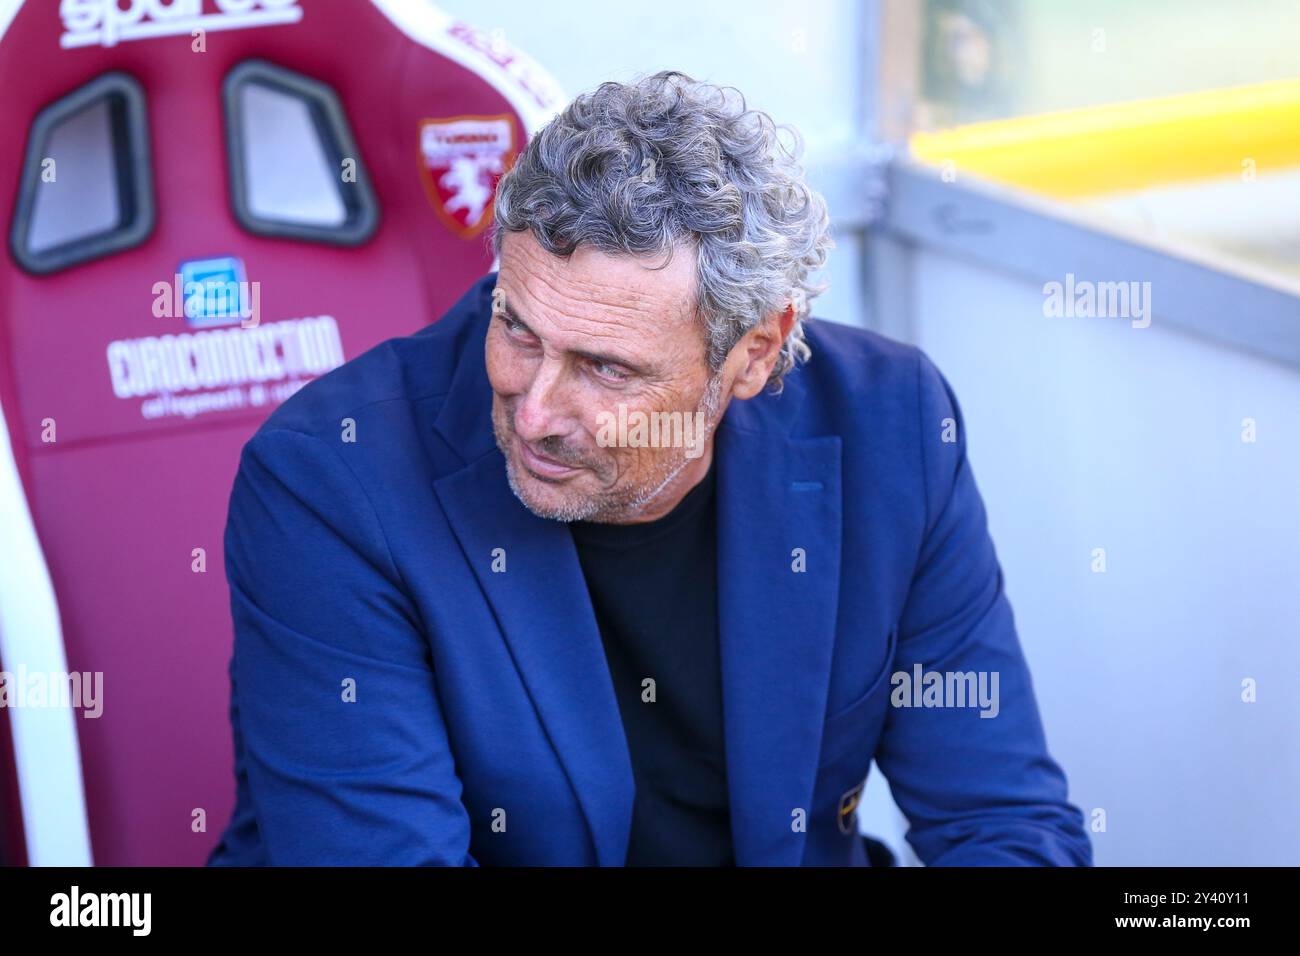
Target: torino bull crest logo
(462,159)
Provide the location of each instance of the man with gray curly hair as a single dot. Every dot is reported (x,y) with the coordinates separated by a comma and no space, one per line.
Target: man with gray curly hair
(667,230)
(630,562)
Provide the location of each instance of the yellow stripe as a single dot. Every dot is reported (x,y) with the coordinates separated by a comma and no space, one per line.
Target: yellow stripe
(1124,146)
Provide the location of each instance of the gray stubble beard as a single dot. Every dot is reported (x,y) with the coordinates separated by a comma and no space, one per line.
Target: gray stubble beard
(623,506)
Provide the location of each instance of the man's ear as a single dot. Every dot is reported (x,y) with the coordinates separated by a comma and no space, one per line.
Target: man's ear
(757,352)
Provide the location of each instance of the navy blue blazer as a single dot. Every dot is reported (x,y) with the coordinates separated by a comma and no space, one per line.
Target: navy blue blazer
(397,700)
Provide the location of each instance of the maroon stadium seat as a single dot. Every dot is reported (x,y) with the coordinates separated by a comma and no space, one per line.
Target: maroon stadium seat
(340,155)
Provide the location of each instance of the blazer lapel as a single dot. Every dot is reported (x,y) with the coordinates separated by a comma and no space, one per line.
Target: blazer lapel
(777,624)
(543,608)
(541,604)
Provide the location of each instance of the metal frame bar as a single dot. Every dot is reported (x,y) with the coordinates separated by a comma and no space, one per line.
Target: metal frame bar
(1232,303)
(891,83)
(902,206)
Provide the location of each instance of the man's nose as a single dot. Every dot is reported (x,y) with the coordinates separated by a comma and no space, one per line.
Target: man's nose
(542,411)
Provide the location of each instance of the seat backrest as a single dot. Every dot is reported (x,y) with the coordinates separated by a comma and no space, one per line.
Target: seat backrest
(218,201)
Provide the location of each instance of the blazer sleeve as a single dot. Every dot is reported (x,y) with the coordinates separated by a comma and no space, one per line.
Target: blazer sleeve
(977,790)
(342,739)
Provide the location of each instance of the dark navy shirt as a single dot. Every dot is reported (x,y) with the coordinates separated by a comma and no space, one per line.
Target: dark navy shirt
(654,590)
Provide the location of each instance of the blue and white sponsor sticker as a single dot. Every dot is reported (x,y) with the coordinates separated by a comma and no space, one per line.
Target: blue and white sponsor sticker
(214,291)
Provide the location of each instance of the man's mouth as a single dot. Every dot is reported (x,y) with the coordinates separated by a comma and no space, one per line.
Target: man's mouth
(542,467)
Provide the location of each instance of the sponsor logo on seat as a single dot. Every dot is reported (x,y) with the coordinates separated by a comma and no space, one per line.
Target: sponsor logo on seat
(104,22)
(223,369)
(213,292)
(462,158)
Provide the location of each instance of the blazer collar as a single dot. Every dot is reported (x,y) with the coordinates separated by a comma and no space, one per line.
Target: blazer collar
(779,504)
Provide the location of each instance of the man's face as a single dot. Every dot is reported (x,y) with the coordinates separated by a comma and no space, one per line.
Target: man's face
(570,341)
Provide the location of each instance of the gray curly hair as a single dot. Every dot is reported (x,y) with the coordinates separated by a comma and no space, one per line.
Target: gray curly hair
(641,167)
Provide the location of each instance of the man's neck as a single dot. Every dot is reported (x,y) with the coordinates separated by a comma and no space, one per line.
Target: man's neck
(677,488)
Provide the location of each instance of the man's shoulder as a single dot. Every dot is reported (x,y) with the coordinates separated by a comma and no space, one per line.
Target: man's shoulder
(850,348)
(416,367)
(857,375)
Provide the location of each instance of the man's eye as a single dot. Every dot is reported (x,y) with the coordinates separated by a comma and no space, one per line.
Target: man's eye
(615,373)
(513,326)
